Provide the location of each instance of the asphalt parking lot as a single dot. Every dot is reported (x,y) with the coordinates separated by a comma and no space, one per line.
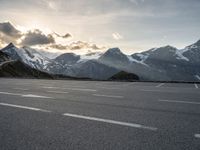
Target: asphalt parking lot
(60,115)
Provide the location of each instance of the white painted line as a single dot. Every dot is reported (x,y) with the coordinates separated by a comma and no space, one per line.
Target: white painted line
(159,91)
(58,92)
(196,86)
(24,107)
(75,89)
(34,96)
(151,90)
(175,101)
(78,89)
(197,135)
(7,93)
(109,96)
(20,89)
(159,85)
(133,125)
(24,95)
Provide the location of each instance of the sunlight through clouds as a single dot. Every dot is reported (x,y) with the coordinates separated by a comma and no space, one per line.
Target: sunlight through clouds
(141,22)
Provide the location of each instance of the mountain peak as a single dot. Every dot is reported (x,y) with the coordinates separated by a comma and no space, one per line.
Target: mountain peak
(193,46)
(115,50)
(67,58)
(114,56)
(10,45)
(197,43)
(168,47)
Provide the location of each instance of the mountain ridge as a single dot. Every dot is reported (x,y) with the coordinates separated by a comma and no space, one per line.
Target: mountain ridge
(165,63)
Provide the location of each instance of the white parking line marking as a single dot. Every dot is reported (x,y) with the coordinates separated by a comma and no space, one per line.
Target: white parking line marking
(109,96)
(158,91)
(78,89)
(133,125)
(7,93)
(58,92)
(196,86)
(175,101)
(197,135)
(159,85)
(34,96)
(24,107)
(24,95)
(74,89)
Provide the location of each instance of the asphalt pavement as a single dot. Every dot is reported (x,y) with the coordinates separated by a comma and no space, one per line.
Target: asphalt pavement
(97,115)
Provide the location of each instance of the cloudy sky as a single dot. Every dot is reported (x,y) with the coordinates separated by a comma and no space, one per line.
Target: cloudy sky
(74,25)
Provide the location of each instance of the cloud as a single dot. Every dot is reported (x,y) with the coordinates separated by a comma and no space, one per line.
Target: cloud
(67,35)
(58,46)
(8,33)
(1,43)
(36,37)
(83,45)
(78,45)
(8,29)
(117,36)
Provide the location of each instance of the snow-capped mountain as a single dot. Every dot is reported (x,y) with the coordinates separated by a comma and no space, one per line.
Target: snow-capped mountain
(67,59)
(169,63)
(113,57)
(158,64)
(4,57)
(91,69)
(192,53)
(12,51)
(50,55)
(27,55)
(82,66)
(67,64)
(90,56)
(71,58)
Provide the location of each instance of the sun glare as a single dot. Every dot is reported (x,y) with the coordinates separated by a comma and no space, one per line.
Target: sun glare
(36,24)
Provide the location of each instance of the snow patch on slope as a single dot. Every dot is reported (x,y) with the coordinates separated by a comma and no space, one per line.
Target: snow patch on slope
(180,55)
(143,57)
(90,56)
(30,55)
(198,77)
(131,59)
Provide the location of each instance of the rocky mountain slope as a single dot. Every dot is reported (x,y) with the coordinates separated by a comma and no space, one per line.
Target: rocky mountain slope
(158,64)
(18,69)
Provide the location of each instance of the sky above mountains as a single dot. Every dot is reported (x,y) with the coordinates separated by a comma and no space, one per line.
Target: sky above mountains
(82,25)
